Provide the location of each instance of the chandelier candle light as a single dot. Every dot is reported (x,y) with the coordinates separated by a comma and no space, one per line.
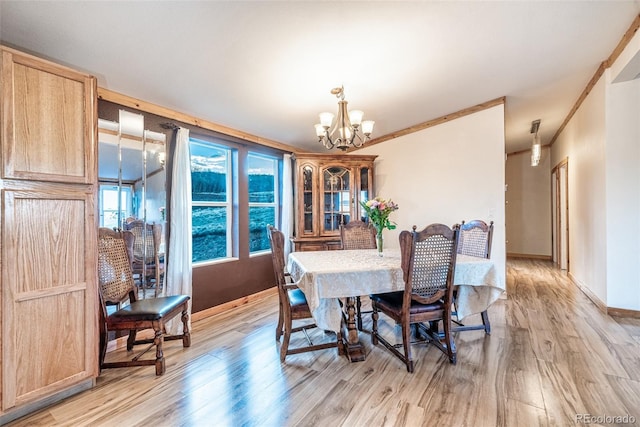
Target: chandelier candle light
(378,211)
(347,127)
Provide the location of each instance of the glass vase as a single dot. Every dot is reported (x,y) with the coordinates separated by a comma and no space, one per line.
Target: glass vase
(379,242)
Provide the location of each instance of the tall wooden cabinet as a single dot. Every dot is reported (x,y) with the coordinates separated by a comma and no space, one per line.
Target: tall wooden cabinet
(48,256)
(328,191)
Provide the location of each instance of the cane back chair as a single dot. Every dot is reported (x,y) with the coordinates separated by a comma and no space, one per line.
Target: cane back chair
(147,264)
(428,260)
(475,240)
(358,235)
(292,303)
(116,286)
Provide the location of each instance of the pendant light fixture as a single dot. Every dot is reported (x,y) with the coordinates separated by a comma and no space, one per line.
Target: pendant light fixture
(536,148)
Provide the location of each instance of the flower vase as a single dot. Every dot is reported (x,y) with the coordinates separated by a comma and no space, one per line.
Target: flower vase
(379,242)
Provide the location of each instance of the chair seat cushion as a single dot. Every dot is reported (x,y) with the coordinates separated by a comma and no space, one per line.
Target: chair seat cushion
(149,309)
(298,301)
(392,302)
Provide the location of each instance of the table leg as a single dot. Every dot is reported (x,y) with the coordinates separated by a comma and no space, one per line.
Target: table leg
(355,349)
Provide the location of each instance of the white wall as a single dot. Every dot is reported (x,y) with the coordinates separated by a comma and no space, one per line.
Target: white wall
(528,206)
(601,142)
(583,143)
(623,193)
(446,174)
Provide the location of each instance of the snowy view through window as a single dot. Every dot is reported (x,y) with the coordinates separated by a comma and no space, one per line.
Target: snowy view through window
(211,198)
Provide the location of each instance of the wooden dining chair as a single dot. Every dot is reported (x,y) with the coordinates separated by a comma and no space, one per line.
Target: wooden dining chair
(475,240)
(428,260)
(116,287)
(358,235)
(147,266)
(292,303)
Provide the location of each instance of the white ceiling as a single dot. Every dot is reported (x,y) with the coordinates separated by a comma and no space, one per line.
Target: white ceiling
(267,67)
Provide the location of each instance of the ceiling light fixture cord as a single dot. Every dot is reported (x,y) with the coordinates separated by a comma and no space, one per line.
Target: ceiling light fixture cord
(348,130)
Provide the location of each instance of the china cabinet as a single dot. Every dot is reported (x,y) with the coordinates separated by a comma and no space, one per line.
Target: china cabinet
(48,255)
(328,191)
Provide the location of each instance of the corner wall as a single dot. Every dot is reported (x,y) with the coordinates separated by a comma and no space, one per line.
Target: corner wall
(601,144)
(583,143)
(623,193)
(446,173)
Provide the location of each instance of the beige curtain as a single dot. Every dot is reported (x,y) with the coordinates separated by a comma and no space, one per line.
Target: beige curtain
(287,203)
(179,265)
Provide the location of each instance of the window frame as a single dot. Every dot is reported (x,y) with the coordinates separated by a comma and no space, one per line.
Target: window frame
(227,204)
(125,191)
(276,194)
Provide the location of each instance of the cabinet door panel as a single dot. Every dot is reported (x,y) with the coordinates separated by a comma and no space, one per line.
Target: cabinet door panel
(49,294)
(307,196)
(336,198)
(48,124)
(55,326)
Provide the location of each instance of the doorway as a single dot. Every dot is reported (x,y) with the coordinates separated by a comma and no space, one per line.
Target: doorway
(560,214)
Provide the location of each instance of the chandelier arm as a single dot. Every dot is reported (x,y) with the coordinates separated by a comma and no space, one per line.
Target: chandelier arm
(327,141)
(354,133)
(356,143)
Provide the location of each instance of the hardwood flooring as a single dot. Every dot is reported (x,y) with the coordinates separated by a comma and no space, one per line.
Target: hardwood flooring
(552,359)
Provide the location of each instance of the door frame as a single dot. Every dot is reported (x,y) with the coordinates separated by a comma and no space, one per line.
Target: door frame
(560,213)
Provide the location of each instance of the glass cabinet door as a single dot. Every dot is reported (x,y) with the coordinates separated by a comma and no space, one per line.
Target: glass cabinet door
(365,193)
(336,198)
(307,199)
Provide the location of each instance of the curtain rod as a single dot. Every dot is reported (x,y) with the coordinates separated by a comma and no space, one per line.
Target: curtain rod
(169,125)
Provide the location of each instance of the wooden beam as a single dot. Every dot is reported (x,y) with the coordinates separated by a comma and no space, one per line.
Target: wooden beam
(626,38)
(127,101)
(434,122)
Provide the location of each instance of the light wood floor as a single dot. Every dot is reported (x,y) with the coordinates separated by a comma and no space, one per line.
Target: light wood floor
(551,356)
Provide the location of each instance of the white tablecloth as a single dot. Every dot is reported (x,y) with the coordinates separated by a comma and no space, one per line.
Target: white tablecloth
(325,276)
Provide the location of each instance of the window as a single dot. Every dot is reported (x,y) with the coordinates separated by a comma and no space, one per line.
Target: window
(222,174)
(263,199)
(211,201)
(109,205)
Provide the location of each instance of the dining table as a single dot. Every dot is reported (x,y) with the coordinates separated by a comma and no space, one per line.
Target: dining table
(327,277)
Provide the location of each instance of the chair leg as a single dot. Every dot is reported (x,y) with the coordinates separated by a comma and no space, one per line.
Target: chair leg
(359,313)
(485,322)
(448,339)
(406,343)
(131,339)
(104,338)
(186,334)
(280,322)
(433,328)
(287,336)
(157,341)
(374,327)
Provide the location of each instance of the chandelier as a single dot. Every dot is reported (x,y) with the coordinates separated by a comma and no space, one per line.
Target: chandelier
(536,148)
(348,130)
